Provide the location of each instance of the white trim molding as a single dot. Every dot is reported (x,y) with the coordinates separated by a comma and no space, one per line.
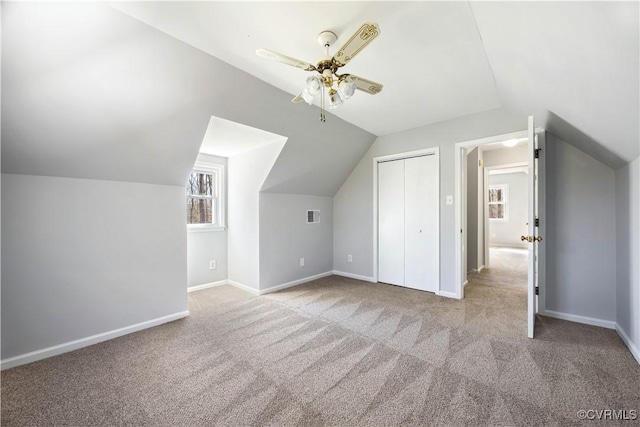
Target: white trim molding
(295,283)
(609,324)
(448,294)
(207,285)
(243,287)
(630,345)
(55,350)
(354,276)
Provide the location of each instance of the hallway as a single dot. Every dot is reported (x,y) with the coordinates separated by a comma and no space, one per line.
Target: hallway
(508,267)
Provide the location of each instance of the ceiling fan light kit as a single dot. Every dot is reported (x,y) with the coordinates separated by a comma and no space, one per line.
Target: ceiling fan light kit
(328,84)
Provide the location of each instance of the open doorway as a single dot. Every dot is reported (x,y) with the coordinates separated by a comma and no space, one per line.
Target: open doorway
(473,161)
(504,205)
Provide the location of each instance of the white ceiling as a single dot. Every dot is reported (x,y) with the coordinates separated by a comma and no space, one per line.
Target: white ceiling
(573,65)
(429,56)
(227,139)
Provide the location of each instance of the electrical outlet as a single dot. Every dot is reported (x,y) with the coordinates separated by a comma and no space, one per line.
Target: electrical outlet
(213,264)
(349,258)
(301,262)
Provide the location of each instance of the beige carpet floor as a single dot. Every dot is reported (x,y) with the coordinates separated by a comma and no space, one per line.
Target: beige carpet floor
(335,352)
(507,267)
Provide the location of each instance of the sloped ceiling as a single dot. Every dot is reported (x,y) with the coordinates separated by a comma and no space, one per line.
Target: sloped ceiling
(89,92)
(429,55)
(574,65)
(227,139)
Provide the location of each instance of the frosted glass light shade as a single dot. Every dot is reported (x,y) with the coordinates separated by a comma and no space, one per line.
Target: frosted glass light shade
(308,98)
(347,89)
(314,84)
(335,100)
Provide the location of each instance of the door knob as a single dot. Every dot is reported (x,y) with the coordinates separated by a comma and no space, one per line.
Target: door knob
(531,239)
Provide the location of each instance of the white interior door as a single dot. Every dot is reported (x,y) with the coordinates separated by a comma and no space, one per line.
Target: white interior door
(532,229)
(421,223)
(391,210)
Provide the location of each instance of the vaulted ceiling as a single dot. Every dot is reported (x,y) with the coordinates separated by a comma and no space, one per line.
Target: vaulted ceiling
(574,65)
(126,91)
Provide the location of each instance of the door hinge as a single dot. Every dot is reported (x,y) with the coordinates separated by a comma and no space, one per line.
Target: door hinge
(537,290)
(537,222)
(536,153)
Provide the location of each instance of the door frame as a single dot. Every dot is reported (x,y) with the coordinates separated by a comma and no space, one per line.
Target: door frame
(460,202)
(398,156)
(485,204)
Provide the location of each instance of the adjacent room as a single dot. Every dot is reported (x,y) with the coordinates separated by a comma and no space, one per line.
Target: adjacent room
(311,213)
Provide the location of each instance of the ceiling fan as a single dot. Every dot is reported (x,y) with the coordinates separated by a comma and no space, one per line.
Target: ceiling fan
(328,84)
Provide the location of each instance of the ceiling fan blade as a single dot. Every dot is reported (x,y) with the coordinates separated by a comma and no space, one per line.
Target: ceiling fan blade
(265,53)
(365,35)
(365,85)
(298,98)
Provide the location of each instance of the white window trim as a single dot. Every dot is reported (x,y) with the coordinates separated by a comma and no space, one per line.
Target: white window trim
(218,170)
(505,203)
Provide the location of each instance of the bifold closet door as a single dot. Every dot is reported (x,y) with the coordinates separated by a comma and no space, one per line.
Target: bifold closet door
(421,254)
(408,246)
(391,222)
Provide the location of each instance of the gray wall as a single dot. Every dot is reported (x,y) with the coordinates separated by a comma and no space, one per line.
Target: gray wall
(83,257)
(507,233)
(203,246)
(506,155)
(285,237)
(353,203)
(581,237)
(628,251)
(246,173)
(472,210)
(88,88)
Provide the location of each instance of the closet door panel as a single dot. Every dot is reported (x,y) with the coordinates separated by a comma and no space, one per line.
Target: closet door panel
(391,210)
(421,223)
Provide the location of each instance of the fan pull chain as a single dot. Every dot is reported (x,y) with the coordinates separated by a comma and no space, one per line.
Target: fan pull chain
(322,115)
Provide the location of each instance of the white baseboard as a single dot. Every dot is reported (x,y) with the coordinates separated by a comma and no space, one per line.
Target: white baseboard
(447,294)
(207,285)
(55,350)
(476,270)
(466,282)
(579,319)
(295,282)
(513,246)
(630,345)
(354,276)
(243,287)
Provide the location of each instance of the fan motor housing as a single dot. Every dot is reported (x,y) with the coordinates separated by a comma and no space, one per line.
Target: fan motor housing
(327,38)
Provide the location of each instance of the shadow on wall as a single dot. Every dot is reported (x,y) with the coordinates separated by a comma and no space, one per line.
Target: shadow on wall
(558,126)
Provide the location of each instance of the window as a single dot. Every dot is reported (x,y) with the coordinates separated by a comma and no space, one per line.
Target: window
(498,209)
(205,198)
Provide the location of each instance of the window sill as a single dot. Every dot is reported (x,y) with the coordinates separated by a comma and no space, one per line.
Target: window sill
(204,228)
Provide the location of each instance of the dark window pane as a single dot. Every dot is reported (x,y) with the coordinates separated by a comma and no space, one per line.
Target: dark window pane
(200,184)
(496,211)
(199,211)
(496,195)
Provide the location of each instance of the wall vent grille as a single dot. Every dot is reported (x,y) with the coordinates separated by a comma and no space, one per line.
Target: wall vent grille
(313,217)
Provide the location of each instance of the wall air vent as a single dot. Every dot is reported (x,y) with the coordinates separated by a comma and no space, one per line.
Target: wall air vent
(313,217)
